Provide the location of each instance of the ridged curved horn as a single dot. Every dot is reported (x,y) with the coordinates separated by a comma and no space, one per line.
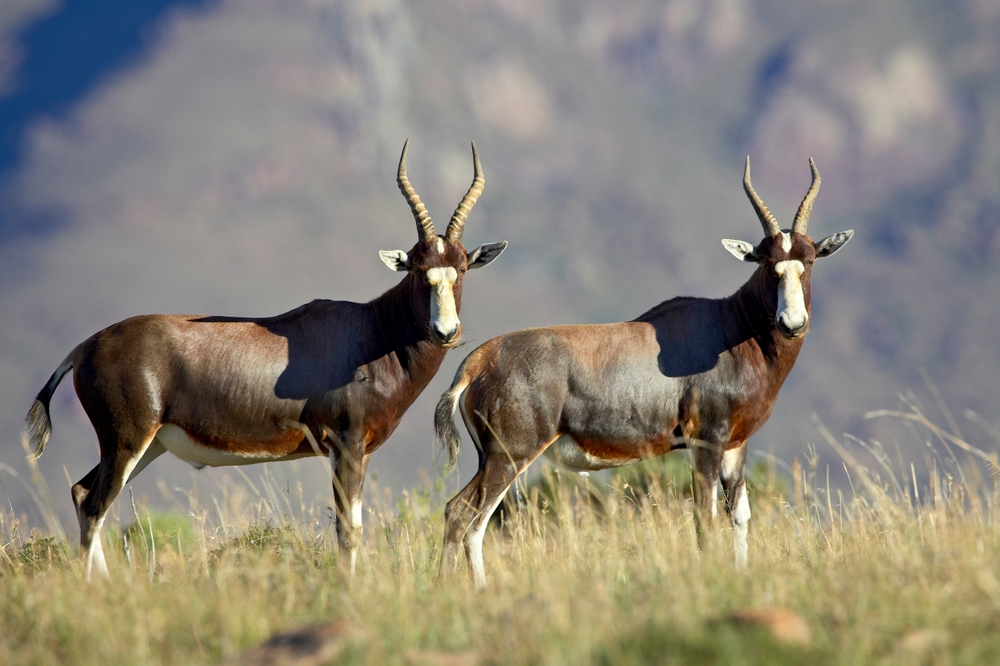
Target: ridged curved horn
(425,226)
(805,209)
(457,224)
(771,226)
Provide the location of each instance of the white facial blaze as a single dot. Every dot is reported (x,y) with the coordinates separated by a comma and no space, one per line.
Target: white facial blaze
(791,300)
(444,314)
(786,242)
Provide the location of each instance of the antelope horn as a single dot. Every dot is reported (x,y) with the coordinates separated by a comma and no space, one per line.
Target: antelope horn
(457,224)
(425,226)
(771,227)
(805,209)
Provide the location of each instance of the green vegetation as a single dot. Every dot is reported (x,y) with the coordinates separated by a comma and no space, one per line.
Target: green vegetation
(903,569)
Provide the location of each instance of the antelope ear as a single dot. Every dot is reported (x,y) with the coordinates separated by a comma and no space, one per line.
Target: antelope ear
(397,260)
(742,250)
(831,244)
(484,254)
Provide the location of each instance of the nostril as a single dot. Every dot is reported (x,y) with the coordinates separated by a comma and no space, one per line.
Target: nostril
(788,329)
(445,335)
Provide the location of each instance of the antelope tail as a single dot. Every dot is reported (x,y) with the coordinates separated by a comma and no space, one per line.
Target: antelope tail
(444,420)
(38,424)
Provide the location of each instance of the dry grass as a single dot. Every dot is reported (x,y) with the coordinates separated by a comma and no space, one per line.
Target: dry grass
(901,568)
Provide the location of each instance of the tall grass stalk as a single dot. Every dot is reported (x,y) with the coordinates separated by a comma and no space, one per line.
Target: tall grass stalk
(899,564)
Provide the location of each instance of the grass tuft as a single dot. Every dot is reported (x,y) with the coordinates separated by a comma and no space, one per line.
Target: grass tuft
(41,553)
(894,564)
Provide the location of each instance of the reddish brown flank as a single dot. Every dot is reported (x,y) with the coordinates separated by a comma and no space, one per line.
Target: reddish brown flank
(329,378)
(689,373)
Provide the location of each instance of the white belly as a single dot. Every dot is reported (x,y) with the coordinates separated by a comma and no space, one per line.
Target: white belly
(176,440)
(565,452)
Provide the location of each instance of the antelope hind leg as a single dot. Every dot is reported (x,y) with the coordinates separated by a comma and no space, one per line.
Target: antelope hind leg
(467,515)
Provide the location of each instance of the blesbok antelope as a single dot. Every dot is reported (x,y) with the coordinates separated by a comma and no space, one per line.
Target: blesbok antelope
(695,372)
(329,378)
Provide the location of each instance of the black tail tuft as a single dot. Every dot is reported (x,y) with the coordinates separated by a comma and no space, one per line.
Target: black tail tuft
(38,424)
(37,428)
(444,426)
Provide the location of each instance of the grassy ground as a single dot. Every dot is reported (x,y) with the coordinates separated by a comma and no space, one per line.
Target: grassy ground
(904,568)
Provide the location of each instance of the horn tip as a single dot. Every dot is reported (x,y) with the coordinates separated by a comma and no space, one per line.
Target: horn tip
(815,171)
(402,158)
(477,167)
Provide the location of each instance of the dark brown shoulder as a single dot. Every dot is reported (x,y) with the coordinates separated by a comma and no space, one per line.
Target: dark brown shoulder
(676,306)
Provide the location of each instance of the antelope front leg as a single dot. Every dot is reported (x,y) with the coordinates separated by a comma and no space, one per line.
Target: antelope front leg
(707,464)
(734,463)
(350,467)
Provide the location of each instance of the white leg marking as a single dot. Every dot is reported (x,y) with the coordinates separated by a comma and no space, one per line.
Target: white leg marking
(731,459)
(95,553)
(791,300)
(356,527)
(741,521)
(95,550)
(354,517)
(356,514)
(474,542)
(733,465)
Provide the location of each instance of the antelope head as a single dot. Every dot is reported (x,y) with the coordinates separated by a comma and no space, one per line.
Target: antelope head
(786,257)
(437,264)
